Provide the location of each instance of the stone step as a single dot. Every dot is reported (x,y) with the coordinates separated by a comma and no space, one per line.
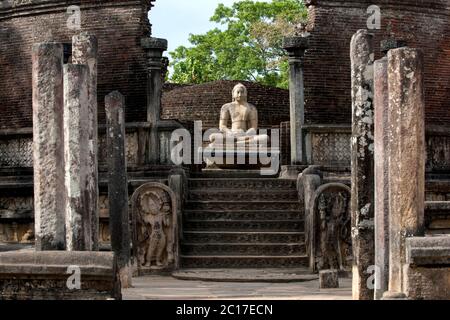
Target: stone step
(208,215)
(230,173)
(239,205)
(243,225)
(243,261)
(242,237)
(246,184)
(277,275)
(242,249)
(239,195)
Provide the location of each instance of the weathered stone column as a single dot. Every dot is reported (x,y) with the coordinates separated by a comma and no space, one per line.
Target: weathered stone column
(48,146)
(406,157)
(76,140)
(362,204)
(296,46)
(381,165)
(85,51)
(156,62)
(118,184)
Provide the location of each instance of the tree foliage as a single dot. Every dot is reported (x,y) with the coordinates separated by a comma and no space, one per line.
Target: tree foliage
(248,46)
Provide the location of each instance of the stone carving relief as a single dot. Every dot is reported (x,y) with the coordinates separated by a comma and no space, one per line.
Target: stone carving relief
(15,205)
(332,227)
(16,152)
(331,148)
(438,153)
(154,227)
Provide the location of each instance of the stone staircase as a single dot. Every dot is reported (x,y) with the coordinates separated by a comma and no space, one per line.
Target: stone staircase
(242,223)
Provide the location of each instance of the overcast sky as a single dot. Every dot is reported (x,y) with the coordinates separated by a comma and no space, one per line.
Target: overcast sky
(174,20)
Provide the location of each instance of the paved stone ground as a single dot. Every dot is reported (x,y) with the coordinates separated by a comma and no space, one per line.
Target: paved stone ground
(247,275)
(169,288)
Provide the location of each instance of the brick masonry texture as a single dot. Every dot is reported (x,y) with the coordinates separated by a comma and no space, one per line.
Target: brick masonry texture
(204,101)
(119,26)
(422,24)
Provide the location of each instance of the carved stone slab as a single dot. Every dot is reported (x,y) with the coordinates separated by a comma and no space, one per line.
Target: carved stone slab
(155,243)
(331,239)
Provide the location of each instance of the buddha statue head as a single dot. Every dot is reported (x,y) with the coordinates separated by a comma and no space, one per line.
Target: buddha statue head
(239,93)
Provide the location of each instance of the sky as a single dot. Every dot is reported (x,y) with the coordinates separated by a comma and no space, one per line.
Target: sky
(174,20)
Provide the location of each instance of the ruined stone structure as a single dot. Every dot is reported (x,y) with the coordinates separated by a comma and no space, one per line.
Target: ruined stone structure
(332,24)
(321,214)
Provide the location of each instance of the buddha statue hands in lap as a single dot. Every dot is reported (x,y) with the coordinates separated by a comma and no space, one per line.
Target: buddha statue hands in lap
(244,121)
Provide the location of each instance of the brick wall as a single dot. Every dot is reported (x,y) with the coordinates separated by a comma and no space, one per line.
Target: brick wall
(204,101)
(422,24)
(119,26)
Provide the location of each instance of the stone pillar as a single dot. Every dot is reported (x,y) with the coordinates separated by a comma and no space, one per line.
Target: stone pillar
(118,184)
(156,63)
(48,146)
(381,165)
(407,157)
(362,204)
(296,47)
(76,117)
(85,51)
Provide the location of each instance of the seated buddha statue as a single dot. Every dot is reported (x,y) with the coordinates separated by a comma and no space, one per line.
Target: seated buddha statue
(244,121)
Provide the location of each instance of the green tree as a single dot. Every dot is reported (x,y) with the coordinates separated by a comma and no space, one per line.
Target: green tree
(247,47)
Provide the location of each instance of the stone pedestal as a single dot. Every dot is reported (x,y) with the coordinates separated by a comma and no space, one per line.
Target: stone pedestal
(362,205)
(48,146)
(381,166)
(155,79)
(85,51)
(328,279)
(407,157)
(76,149)
(61,275)
(118,184)
(296,46)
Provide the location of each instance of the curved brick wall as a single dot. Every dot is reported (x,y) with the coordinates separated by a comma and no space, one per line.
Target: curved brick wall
(119,26)
(204,101)
(422,24)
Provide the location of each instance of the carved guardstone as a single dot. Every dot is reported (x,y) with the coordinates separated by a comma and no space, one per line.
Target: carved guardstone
(155,228)
(331,238)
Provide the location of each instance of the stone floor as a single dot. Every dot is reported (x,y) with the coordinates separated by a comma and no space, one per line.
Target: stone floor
(169,288)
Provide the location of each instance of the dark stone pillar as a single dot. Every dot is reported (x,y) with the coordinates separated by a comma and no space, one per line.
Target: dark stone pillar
(362,204)
(48,146)
(117,183)
(296,46)
(407,157)
(156,64)
(85,51)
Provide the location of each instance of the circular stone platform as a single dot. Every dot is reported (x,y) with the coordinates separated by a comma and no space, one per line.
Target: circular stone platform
(246,275)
